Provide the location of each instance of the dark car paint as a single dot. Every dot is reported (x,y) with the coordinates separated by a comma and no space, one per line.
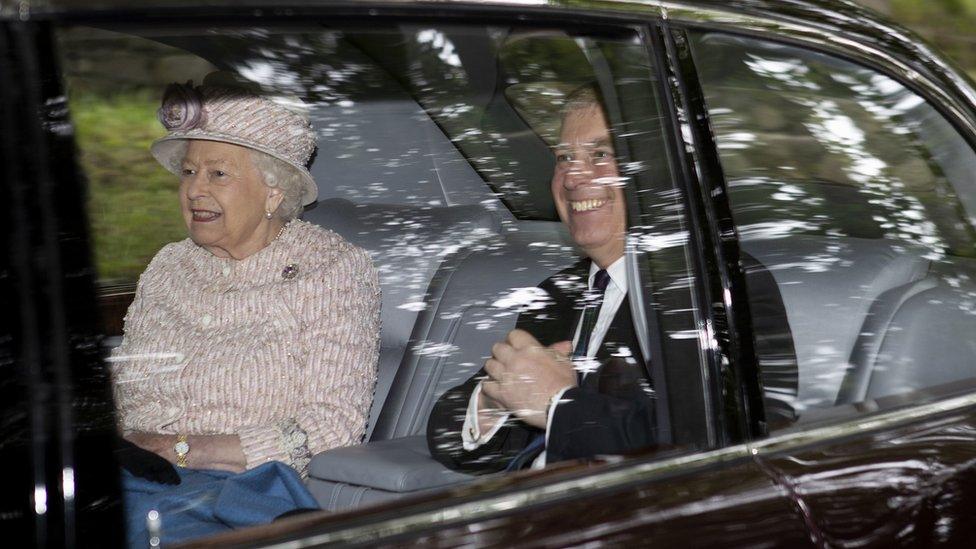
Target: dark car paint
(693,507)
(909,483)
(61,484)
(909,486)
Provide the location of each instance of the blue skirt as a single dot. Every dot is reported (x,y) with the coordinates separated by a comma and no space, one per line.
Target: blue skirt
(208,502)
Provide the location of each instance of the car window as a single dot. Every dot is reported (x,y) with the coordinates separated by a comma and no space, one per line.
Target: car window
(114,111)
(855,194)
(437,147)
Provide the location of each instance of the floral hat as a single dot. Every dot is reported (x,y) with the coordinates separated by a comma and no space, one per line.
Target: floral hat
(222,110)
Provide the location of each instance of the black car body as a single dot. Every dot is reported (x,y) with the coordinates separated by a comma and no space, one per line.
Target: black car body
(804,140)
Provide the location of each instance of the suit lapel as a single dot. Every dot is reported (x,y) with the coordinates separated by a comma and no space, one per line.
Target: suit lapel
(621,343)
(559,319)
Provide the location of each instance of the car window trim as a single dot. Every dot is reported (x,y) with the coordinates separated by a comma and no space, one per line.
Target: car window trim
(686,364)
(957,106)
(431,513)
(725,349)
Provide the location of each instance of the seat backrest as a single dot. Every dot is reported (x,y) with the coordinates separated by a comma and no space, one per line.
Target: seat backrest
(407,244)
(389,151)
(866,354)
(828,285)
(918,335)
(928,341)
(473,301)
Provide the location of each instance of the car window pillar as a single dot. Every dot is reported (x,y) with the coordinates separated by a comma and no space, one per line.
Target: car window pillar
(732,380)
(54,388)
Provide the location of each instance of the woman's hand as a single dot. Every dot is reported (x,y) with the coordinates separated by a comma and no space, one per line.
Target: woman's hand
(221,452)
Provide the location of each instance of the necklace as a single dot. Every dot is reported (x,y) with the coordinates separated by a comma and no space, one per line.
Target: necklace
(281,230)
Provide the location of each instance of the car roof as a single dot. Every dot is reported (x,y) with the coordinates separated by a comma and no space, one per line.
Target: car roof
(842,16)
(836,15)
(837,11)
(841,20)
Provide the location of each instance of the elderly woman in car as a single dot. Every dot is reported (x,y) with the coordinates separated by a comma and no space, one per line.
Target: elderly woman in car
(256,338)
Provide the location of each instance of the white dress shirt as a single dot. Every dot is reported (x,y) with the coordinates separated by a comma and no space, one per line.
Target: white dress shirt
(471,436)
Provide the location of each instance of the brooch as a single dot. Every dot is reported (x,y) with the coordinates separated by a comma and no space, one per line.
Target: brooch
(290,271)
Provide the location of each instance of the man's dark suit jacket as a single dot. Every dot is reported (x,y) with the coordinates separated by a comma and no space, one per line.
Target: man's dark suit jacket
(612,411)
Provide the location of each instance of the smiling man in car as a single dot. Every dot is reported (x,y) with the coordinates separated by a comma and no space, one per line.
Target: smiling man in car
(569,382)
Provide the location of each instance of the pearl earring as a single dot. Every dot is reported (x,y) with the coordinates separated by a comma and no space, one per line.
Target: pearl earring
(268,214)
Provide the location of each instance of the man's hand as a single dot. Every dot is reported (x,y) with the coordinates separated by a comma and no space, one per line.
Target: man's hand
(523,376)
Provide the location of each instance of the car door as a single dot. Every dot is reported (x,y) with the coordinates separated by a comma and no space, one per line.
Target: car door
(674,494)
(708,489)
(865,394)
(850,182)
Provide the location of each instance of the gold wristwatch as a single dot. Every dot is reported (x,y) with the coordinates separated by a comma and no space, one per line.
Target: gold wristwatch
(182,448)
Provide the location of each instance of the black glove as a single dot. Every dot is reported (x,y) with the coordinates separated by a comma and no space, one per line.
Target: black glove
(145,464)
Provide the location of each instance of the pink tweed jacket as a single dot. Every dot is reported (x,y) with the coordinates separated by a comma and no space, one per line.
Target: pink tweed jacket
(279,348)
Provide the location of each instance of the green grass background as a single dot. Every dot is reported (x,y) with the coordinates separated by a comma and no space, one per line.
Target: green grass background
(133,204)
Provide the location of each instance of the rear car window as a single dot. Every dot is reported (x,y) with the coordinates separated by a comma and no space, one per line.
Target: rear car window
(435,155)
(856,195)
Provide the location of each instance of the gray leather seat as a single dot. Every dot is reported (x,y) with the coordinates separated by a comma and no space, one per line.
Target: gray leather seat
(918,335)
(471,302)
(929,342)
(391,182)
(474,301)
(829,286)
(407,245)
(378,471)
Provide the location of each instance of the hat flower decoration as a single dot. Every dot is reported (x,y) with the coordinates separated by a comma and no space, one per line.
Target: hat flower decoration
(182,108)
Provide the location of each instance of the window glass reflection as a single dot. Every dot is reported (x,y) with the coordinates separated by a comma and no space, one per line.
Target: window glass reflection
(856,195)
(455,158)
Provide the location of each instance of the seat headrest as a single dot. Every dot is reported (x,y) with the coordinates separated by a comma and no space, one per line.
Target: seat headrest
(407,243)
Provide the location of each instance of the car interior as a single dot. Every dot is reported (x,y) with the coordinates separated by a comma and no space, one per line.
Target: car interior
(452,257)
(447,188)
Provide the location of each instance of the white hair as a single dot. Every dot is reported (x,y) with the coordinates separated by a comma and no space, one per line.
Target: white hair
(586,96)
(278,173)
(176,160)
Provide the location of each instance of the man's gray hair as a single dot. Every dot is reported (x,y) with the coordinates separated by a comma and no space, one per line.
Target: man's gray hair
(583,97)
(277,173)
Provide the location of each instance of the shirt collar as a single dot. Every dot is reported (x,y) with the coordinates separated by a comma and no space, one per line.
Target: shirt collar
(617,271)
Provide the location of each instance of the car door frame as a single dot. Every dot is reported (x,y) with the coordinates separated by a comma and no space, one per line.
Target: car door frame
(811,458)
(58,412)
